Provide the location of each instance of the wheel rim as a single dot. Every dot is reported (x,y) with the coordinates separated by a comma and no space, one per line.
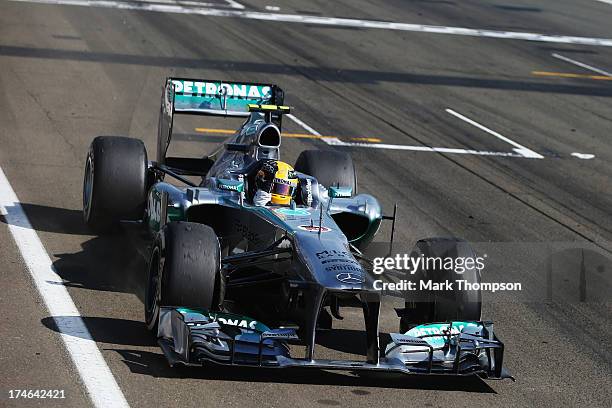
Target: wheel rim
(88,187)
(152,290)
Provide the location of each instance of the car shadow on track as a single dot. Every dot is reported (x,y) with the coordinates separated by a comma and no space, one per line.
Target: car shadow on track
(153,364)
(106,330)
(344,340)
(54,219)
(105,263)
(114,262)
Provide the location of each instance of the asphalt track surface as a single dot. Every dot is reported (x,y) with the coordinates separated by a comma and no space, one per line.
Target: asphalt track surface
(69,73)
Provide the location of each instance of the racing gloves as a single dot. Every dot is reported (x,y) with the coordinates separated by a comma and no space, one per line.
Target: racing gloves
(265,176)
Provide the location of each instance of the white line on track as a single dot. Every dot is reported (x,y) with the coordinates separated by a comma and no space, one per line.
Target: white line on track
(229,3)
(518,148)
(605,1)
(582,65)
(303,124)
(97,377)
(583,156)
(235,4)
(331,21)
(426,149)
(334,141)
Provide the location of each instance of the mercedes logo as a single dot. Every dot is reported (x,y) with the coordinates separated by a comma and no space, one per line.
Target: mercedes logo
(350,278)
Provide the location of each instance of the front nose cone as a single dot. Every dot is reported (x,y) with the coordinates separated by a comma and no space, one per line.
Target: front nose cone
(330,262)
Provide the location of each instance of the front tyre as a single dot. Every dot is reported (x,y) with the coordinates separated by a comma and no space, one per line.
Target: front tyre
(114,185)
(447,305)
(184,270)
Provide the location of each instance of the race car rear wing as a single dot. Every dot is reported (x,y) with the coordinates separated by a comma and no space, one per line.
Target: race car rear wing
(209,97)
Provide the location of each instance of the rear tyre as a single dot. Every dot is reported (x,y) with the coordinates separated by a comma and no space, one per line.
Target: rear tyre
(184,270)
(114,185)
(329,167)
(448,305)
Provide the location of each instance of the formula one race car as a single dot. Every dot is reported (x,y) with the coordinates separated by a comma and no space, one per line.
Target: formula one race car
(236,282)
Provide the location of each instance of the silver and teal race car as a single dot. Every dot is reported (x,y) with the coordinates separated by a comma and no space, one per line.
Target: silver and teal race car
(233,283)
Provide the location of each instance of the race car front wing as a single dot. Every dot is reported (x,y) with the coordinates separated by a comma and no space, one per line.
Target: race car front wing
(194,337)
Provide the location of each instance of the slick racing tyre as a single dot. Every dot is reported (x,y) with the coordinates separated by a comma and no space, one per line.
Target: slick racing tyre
(456,304)
(184,270)
(329,167)
(114,185)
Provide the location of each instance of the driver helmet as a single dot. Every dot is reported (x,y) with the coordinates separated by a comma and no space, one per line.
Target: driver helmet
(283,184)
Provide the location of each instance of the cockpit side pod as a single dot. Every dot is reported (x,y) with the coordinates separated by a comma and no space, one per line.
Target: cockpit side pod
(358,217)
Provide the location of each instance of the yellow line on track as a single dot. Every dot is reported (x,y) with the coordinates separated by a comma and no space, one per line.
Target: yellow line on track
(568,75)
(218,131)
(367,139)
(291,135)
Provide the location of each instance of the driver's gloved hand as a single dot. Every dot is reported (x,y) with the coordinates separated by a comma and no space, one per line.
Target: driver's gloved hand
(269,168)
(265,176)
